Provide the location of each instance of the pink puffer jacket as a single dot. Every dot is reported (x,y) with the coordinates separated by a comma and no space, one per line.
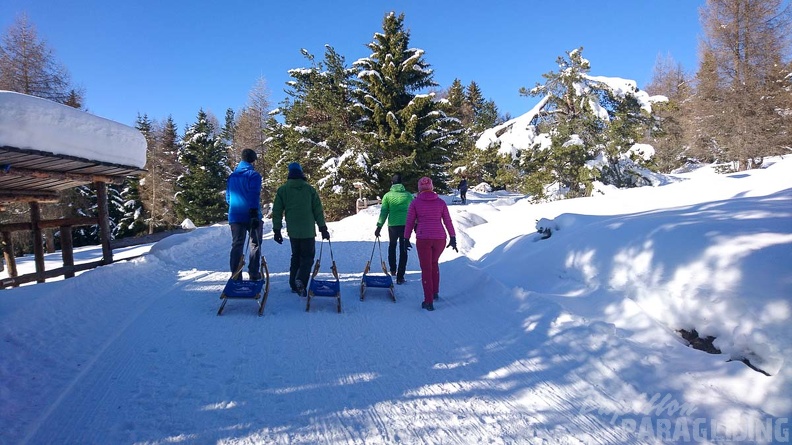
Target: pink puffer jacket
(430,213)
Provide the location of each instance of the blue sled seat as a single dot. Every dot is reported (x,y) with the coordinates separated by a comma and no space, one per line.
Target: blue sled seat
(377,280)
(321,288)
(243,288)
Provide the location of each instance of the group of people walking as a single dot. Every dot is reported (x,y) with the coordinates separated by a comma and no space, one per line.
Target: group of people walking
(297,201)
(427,215)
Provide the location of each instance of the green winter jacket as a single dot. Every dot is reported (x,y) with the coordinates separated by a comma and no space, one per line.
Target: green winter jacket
(300,203)
(394,206)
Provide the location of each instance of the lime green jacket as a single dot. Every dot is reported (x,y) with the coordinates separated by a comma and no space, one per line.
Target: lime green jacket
(299,202)
(394,206)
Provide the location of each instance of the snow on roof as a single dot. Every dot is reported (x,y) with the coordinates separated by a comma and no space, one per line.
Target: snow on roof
(33,123)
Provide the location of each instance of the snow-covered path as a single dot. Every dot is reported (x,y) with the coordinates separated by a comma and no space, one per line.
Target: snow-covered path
(150,362)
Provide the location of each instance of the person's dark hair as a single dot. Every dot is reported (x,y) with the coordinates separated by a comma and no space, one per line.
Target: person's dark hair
(396,179)
(249,155)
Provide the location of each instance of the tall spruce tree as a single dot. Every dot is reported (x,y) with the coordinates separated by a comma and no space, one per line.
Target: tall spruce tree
(227,137)
(201,189)
(474,115)
(133,219)
(407,130)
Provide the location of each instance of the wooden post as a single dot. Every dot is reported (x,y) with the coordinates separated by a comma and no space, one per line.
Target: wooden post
(8,254)
(38,241)
(67,251)
(104,221)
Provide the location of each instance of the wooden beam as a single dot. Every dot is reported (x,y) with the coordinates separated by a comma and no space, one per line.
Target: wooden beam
(11,196)
(79,221)
(27,278)
(15,227)
(38,241)
(104,221)
(47,174)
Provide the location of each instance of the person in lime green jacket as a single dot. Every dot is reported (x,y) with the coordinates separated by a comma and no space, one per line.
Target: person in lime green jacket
(394,208)
(300,203)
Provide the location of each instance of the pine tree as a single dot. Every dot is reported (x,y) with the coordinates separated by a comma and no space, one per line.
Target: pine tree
(481,165)
(227,137)
(407,131)
(201,189)
(320,131)
(585,120)
(132,220)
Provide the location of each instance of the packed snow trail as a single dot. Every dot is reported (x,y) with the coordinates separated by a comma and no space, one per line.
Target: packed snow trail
(164,368)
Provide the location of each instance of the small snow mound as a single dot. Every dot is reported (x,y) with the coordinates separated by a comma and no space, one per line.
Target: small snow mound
(187,224)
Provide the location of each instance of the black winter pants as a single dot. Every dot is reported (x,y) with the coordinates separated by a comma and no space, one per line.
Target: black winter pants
(396,235)
(302,257)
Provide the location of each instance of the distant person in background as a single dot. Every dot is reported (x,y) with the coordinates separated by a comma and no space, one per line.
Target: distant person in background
(299,202)
(243,195)
(394,208)
(431,214)
(462,187)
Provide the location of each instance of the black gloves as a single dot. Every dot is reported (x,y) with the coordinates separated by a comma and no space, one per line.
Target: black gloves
(325,233)
(278,237)
(377,231)
(255,222)
(407,244)
(452,244)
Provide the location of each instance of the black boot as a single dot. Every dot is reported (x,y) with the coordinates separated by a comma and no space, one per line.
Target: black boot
(427,306)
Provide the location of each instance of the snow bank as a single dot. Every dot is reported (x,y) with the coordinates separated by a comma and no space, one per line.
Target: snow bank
(33,123)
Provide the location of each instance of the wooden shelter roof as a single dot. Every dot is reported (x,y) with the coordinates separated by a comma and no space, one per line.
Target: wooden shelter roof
(32,175)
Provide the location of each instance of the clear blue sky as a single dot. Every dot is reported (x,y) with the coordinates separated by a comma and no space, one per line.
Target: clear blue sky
(175,57)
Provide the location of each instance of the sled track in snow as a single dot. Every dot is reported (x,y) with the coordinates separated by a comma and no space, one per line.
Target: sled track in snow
(112,365)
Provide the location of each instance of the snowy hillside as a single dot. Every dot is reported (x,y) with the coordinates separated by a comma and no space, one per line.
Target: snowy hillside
(570,339)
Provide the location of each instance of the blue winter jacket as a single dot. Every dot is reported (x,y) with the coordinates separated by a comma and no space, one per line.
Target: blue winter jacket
(243,192)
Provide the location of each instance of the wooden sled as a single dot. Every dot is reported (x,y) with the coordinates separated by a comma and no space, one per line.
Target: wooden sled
(324,288)
(384,281)
(238,289)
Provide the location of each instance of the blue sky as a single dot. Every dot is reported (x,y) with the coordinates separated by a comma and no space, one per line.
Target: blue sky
(175,57)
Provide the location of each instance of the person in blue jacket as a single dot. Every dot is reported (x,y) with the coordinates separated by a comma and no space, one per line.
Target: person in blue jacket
(243,195)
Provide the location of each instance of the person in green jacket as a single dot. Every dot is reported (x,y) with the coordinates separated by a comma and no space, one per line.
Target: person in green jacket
(394,208)
(299,202)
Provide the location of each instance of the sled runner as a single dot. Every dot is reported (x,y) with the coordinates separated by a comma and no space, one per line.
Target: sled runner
(324,288)
(238,289)
(377,281)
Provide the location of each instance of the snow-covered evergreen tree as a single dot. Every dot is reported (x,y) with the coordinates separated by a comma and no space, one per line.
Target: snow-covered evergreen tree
(132,219)
(406,129)
(201,189)
(584,129)
(320,132)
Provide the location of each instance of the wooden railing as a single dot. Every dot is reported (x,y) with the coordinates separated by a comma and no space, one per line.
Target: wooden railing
(37,225)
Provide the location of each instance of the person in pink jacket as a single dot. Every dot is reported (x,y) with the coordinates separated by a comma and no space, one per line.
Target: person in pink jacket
(430,214)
